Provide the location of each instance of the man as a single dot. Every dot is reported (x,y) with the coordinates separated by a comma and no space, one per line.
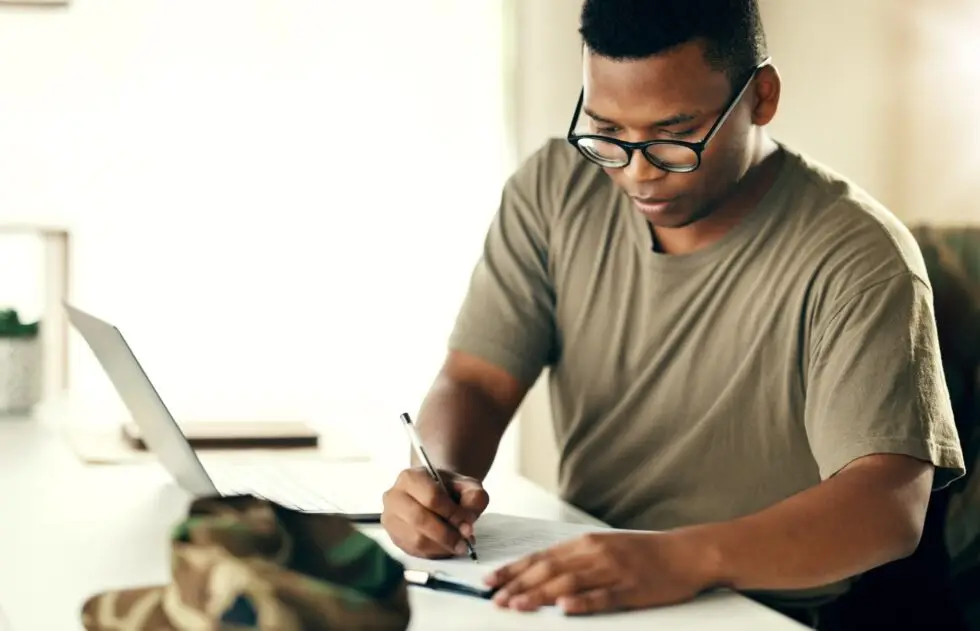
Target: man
(742,348)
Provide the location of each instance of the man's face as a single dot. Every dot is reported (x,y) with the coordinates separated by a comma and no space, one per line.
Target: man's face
(672,96)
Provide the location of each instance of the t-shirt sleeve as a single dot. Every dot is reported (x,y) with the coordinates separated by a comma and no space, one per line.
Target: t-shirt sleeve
(508,313)
(875,382)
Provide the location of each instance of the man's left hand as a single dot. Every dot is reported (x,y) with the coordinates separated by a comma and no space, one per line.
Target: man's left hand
(606,572)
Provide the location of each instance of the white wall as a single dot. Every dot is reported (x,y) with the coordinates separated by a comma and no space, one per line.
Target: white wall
(939,176)
(888,93)
(841,100)
(545,40)
(278,202)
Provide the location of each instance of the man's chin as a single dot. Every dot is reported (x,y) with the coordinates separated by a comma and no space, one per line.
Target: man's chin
(671,216)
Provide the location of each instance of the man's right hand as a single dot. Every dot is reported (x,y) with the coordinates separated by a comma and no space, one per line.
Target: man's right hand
(424,522)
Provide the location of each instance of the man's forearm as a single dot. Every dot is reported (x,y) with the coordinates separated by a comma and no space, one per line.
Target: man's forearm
(861,518)
(461,427)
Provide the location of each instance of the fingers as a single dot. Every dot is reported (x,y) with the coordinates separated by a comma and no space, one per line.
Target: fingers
(549,578)
(407,537)
(417,530)
(509,572)
(504,575)
(597,573)
(424,521)
(429,494)
(593,601)
(564,585)
(472,495)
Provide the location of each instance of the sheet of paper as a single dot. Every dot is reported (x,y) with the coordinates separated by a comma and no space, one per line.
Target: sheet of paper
(500,539)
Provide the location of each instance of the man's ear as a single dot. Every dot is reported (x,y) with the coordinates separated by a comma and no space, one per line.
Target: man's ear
(766,89)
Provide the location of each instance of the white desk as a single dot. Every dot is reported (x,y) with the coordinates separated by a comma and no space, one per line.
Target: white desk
(69,530)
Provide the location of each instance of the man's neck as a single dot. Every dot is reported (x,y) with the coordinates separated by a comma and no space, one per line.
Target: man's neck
(744,197)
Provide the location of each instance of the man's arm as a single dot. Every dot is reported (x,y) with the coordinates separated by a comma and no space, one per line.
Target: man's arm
(505,332)
(868,514)
(882,434)
(504,335)
(466,412)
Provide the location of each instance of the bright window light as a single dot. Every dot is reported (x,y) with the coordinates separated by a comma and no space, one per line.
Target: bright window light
(279,204)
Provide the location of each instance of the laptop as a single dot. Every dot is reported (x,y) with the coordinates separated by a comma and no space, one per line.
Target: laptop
(291,484)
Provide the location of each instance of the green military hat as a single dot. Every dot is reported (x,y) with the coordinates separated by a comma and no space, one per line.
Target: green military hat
(243,563)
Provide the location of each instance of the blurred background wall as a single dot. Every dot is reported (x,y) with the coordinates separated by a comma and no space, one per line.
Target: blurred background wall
(281,203)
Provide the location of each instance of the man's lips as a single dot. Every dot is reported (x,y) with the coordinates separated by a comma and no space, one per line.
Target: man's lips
(653,204)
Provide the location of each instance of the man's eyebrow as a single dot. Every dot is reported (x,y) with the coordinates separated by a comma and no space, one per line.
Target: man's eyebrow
(677,119)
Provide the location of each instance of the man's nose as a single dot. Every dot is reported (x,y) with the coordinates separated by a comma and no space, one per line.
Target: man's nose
(642,170)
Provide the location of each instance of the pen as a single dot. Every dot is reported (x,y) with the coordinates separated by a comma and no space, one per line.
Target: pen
(444,583)
(416,440)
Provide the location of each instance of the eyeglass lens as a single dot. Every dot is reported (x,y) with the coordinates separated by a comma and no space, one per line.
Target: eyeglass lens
(666,156)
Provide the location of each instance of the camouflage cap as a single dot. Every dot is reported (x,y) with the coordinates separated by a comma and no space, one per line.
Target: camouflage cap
(243,563)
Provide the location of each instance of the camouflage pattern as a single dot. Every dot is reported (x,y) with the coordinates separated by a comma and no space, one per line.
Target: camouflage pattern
(246,564)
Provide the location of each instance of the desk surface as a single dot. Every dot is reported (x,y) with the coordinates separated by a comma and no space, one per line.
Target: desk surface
(71,530)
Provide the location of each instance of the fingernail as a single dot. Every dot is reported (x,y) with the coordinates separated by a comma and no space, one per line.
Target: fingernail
(467,531)
(461,548)
(521,602)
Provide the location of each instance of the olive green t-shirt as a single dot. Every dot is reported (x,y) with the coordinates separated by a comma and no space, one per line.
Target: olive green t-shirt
(702,387)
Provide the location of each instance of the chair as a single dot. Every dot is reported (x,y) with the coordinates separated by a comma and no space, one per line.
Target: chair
(934,589)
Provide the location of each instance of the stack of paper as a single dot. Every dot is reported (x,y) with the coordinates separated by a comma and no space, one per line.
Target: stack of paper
(500,539)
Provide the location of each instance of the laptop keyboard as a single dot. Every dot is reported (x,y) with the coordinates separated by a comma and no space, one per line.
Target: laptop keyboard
(282,484)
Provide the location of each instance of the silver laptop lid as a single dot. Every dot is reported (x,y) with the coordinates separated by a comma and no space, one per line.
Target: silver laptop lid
(159,430)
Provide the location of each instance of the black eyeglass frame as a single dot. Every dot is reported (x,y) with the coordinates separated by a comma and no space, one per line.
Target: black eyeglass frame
(629,147)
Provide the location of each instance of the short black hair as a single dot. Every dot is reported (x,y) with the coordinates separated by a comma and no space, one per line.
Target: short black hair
(633,29)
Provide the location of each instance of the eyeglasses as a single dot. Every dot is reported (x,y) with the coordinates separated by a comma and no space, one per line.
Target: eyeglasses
(675,156)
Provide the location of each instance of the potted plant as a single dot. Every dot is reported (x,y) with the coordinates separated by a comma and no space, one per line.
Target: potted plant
(20,363)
